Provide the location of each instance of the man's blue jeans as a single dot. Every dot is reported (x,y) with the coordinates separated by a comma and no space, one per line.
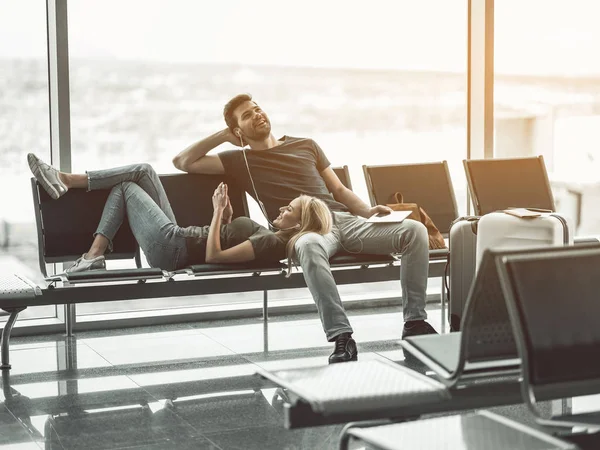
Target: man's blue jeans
(353,234)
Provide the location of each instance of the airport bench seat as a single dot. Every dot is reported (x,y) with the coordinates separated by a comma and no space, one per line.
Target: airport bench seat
(66,226)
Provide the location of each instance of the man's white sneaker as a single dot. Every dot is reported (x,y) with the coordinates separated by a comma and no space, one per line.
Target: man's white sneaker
(82,264)
(47,176)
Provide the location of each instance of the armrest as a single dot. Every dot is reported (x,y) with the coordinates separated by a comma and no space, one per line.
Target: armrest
(216,269)
(95,276)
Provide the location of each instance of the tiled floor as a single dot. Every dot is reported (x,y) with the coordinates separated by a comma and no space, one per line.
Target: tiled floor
(173,387)
(187,386)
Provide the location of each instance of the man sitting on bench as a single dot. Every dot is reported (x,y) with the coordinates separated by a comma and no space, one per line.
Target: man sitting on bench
(278,170)
(138,194)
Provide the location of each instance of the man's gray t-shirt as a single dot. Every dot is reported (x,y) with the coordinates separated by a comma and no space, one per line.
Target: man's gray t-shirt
(268,247)
(282,173)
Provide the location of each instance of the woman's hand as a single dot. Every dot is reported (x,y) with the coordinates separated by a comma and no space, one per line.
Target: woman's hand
(220,199)
(228,211)
(214,253)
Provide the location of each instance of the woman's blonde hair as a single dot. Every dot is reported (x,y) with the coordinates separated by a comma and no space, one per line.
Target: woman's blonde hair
(315,217)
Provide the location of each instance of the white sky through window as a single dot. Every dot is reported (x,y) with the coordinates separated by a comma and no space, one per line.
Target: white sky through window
(532,36)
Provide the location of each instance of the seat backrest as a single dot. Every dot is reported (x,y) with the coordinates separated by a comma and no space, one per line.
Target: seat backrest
(190,196)
(553,302)
(427,184)
(487,333)
(66,226)
(344,176)
(497,184)
(487,330)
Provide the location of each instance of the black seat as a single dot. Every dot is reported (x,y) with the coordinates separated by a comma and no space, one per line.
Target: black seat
(427,184)
(344,175)
(552,299)
(501,183)
(187,190)
(485,348)
(66,226)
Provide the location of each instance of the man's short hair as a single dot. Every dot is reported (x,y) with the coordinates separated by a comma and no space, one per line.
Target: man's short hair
(230,108)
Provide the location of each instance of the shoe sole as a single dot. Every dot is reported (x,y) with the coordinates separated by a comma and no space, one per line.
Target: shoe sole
(34,165)
(355,358)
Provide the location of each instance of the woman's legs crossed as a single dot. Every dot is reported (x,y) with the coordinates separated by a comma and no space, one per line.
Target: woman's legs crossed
(154,229)
(142,174)
(159,237)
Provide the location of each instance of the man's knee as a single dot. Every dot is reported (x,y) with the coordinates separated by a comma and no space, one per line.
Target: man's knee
(414,231)
(310,244)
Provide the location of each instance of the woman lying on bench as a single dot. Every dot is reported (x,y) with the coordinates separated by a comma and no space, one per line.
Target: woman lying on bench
(137,192)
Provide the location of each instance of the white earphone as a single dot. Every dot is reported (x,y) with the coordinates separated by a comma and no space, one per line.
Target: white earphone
(295,227)
(239,134)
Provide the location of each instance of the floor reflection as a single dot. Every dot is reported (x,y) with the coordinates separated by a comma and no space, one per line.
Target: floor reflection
(189,387)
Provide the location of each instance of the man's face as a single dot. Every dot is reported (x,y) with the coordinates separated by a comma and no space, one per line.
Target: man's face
(252,121)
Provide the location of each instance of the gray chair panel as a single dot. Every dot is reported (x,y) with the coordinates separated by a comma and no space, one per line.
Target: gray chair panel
(556,295)
(497,184)
(344,176)
(427,184)
(482,430)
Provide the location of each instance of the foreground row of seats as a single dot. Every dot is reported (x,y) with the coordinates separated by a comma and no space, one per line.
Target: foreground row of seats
(529,333)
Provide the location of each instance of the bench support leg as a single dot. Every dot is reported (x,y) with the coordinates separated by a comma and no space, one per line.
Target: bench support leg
(443,295)
(265,322)
(69,319)
(265,306)
(14,312)
(562,407)
(345,437)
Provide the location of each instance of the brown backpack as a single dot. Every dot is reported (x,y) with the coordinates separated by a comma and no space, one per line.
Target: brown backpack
(436,240)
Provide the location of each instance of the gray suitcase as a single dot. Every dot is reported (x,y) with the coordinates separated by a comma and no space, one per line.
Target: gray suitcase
(462,245)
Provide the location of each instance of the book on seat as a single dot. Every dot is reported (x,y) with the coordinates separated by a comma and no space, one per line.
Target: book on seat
(394,216)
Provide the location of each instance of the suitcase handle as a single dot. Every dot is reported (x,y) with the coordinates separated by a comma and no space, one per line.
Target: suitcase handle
(562,220)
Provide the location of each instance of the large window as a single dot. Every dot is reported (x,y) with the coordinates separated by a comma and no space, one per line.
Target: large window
(547,97)
(24,128)
(377,85)
(372,85)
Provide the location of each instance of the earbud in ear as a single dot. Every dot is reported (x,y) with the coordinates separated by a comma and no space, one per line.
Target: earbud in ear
(238,133)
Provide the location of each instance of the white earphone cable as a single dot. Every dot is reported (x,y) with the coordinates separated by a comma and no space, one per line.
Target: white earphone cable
(260,204)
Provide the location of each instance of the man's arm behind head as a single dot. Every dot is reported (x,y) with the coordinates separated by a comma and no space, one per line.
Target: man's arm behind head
(209,165)
(194,159)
